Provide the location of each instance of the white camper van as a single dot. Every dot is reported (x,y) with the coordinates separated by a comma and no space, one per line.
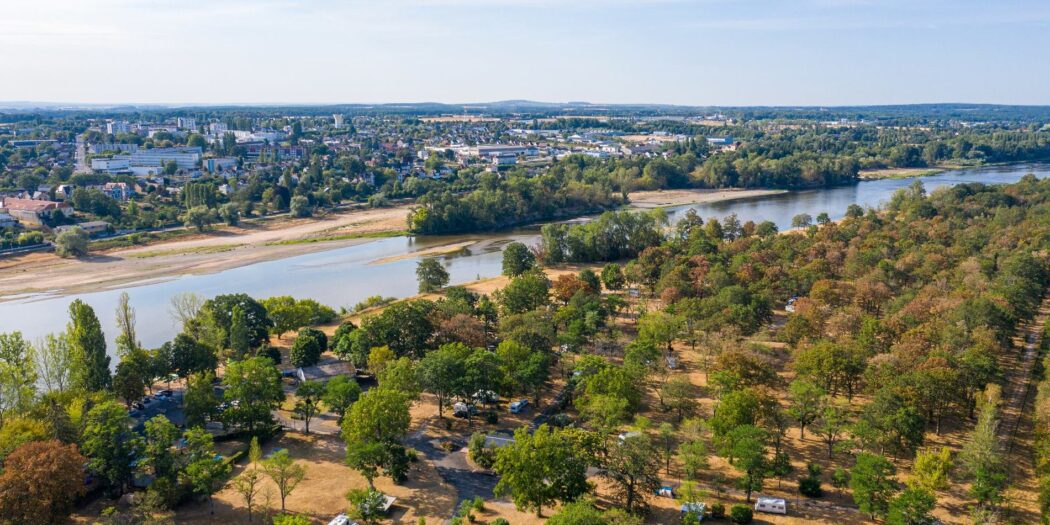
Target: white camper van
(771,505)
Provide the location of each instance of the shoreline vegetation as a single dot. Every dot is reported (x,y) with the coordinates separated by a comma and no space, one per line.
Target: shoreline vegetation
(175,253)
(226,248)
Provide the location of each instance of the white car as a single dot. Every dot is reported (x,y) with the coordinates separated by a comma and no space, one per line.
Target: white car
(518,406)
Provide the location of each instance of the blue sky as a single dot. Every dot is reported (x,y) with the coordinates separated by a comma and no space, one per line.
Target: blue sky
(698,52)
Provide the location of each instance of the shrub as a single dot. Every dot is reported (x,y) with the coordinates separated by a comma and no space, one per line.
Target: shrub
(484,457)
(741,514)
(809,486)
(478,504)
(491,417)
(718,511)
(500,521)
(72,243)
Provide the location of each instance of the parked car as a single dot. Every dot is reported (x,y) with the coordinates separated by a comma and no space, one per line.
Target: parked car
(165,393)
(518,406)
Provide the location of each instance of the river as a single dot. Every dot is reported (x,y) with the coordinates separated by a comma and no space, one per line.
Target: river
(342,277)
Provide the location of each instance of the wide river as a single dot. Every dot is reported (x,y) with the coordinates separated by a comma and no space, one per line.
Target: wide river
(344,276)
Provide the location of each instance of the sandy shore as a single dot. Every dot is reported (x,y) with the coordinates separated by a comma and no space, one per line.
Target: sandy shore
(661,198)
(231,247)
(214,251)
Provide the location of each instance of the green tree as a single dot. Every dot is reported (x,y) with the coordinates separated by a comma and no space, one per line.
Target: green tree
(308,401)
(806,399)
(285,473)
(613,277)
(694,457)
(187,356)
(830,425)
(240,338)
(340,393)
(912,507)
(199,217)
(17,374)
(523,293)
(201,403)
(541,468)
(88,345)
(982,458)
(253,389)
(871,481)
(802,220)
(431,274)
(441,372)
(308,346)
(373,430)
(109,443)
(749,457)
(129,383)
(517,259)
(72,242)
(633,466)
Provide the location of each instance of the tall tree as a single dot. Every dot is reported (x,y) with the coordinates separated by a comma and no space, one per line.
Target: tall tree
(89,348)
(253,389)
(17,374)
(633,466)
(55,361)
(541,468)
(109,442)
(127,340)
(373,430)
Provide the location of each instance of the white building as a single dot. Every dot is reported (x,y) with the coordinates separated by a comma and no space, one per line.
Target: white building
(115,164)
(338,120)
(189,123)
(218,128)
(117,126)
(185,158)
(95,149)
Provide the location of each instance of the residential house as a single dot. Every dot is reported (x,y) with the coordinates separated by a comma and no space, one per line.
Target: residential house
(32,211)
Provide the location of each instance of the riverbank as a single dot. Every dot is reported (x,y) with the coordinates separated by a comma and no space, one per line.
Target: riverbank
(254,242)
(662,198)
(221,249)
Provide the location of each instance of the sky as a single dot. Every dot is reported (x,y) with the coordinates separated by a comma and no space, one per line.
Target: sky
(689,52)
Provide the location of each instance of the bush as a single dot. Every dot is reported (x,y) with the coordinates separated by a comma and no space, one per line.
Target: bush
(478,504)
(484,457)
(491,417)
(718,511)
(809,486)
(72,243)
(274,354)
(741,514)
(500,521)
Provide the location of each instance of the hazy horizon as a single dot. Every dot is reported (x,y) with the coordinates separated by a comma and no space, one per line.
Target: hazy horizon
(681,52)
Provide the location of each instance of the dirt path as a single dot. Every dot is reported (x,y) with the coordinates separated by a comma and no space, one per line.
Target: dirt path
(1017,425)
(1019,374)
